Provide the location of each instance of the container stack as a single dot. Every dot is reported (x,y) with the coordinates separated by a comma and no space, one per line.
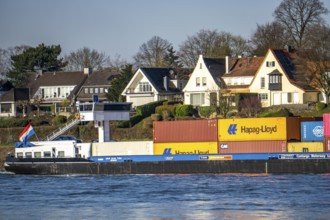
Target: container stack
(311,138)
(185,137)
(257,135)
(326,123)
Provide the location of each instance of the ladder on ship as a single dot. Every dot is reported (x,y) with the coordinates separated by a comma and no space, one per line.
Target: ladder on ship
(62,129)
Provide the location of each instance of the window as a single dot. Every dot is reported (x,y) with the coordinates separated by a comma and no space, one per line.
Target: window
(28,154)
(59,92)
(101,90)
(200,66)
(273,79)
(198,81)
(60,154)
(263,96)
(204,81)
(19,155)
(144,87)
(91,90)
(86,90)
(270,63)
(289,97)
(5,108)
(197,99)
(96,90)
(37,154)
(262,83)
(47,154)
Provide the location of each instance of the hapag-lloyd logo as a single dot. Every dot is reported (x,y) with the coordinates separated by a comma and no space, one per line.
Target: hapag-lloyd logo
(167,151)
(252,130)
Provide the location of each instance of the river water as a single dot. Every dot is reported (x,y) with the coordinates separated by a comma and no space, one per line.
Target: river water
(165,197)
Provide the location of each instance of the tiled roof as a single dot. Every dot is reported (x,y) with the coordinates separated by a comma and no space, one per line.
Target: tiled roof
(98,79)
(55,79)
(156,77)
(286,60)
(247,66)
(216,66)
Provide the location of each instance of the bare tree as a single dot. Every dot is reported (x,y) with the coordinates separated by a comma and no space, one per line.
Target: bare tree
(315,60)
(86,58)
(299,15)
(270,35)
(210,43)
(5,58)
(153,53)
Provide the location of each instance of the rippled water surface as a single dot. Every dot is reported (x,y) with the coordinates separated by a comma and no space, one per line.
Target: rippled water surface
(165,197)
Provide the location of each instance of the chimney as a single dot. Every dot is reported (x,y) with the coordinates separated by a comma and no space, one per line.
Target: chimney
(165,82)
(88,70)
(227,64)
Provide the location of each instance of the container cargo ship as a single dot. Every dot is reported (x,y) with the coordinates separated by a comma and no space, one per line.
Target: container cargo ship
(217,146)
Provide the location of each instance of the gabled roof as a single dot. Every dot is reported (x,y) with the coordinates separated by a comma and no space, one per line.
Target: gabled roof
(247,66)
(100,79)
(55,79)
(286,59)
(216,67)
(156,77)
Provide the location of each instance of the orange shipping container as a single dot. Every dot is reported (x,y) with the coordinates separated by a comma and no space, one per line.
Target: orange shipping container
(259,129)
(327,144)
(185,131)
(251,147)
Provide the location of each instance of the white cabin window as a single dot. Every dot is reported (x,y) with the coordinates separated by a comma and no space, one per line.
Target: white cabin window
(37,154)
(60,154)
(47,154)
(28,154)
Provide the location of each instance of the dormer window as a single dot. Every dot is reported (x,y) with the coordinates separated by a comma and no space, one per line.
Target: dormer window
(275,81)
(200,66)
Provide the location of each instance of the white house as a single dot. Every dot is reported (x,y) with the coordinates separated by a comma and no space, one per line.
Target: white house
(275,81)
(204,83)
(155,84)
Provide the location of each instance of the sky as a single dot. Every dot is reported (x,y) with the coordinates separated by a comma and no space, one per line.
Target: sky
(120,27)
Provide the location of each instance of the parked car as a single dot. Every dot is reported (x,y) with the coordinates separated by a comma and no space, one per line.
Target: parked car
(67,138)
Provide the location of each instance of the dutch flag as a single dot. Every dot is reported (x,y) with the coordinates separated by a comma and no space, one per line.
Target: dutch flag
(26,133)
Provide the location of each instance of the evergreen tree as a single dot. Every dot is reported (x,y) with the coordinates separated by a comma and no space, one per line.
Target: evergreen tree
(32,59)
(118,84)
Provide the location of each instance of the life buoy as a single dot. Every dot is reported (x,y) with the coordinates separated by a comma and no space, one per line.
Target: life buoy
(77,115)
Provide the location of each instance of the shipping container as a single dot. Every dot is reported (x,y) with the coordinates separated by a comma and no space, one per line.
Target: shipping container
(312,131)
(185,131)
(122,148)
(327,144)
(186,148)
(305,147)
(252,147)
(326,122)
(259,129)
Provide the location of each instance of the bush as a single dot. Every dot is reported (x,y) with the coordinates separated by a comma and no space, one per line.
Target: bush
(206,111)
(184,110)
(320,106)
(165,111)
(156,117)
(283,112)
(148,109)
(59,119)
(13,122)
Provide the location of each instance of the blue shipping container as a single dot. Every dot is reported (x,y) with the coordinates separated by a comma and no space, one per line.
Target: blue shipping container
(312,131)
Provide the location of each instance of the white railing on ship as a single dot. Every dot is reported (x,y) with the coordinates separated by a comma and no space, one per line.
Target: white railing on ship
(62,130)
